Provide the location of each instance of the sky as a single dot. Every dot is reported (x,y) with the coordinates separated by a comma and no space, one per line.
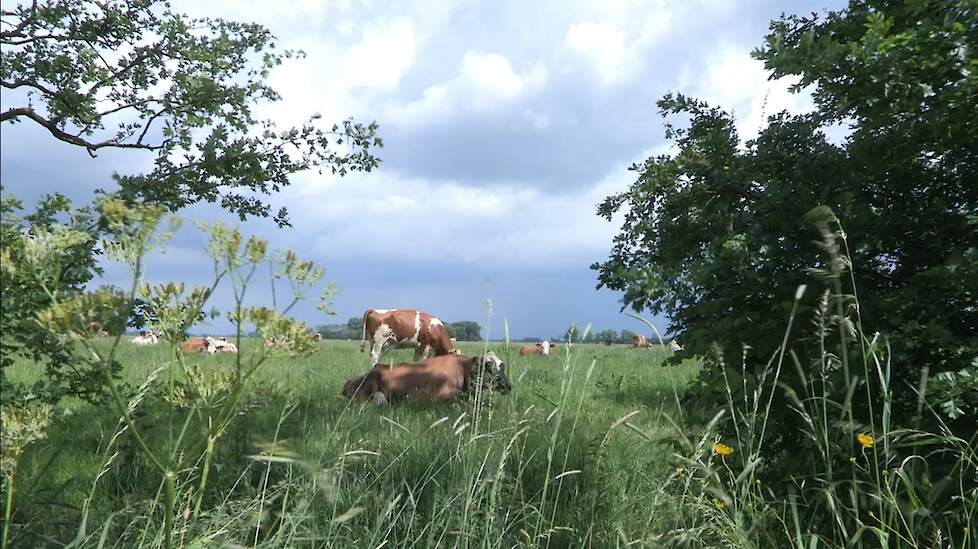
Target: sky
(504,123)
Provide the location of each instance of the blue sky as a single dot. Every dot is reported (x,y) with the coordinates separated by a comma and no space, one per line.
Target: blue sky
(505,124)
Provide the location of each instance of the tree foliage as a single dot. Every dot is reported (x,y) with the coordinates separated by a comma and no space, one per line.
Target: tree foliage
(465,330)
(717,237)
(136,75)
(43,259)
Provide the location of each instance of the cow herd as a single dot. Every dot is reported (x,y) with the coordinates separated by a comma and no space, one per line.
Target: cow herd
(439,370)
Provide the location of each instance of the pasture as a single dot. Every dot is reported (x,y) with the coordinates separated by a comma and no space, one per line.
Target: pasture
(551,464)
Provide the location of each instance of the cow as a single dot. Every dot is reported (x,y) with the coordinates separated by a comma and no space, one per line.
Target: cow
(543,348)
(441,377)
(640,342)
(401,328)
(315,336)
(199,345)
(222,345)
(674,346)
(145,338)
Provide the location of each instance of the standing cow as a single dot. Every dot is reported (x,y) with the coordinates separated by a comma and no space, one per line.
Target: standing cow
(402,328)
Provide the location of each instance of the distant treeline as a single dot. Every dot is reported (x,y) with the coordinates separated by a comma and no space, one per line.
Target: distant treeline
(463,330)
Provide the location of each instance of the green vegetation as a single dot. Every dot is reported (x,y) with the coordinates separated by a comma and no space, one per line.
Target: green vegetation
(882,230)
(302,466)
(828,291)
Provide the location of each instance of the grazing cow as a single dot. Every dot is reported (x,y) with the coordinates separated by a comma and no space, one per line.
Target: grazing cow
(401,328)
(640,342)
(316,336)
(145,338)
(199,345)
(441,377)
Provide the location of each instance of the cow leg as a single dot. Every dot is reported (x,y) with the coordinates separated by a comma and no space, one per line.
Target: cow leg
(422,352)
(380,398)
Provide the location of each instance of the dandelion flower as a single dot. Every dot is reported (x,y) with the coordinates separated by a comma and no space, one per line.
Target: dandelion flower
(865,440)
(722,449)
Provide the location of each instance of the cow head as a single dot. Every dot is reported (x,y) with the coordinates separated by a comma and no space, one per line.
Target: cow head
(495,373)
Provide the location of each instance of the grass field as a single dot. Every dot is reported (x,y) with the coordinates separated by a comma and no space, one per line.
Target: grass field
(551,464)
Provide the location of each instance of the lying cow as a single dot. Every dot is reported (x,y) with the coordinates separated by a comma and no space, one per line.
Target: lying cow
(145,338)
(640,342)
(437,378)
(199,345)
(401,328)
(543,348)
(221,345)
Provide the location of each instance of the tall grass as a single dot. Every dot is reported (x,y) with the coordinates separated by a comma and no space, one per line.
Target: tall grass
(872,486)
(591,449)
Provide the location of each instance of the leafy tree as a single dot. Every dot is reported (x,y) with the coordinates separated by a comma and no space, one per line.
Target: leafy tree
(627,336)
(606,336)
(354,327)
(717,236)
(135,75)
(42,260)
(465,330)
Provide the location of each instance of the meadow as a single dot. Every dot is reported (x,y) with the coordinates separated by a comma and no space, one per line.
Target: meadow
(579,454)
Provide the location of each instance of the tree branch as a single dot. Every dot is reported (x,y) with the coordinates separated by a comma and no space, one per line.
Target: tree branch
(68,137)
(27,83)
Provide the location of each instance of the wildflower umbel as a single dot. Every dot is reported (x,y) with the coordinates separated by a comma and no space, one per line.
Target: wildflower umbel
(867,441)
(722,449)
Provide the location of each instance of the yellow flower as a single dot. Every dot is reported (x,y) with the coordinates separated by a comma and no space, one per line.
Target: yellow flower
(718,503)
(867,441)
(722,449)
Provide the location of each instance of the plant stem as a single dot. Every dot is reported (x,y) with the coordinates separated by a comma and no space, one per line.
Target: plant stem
(203,479)
(170,496)
(8,507)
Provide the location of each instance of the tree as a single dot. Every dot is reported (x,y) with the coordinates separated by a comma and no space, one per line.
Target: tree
(606,336)
(41,260)
(135,75)
(465,330)
(627,336)
(719,236)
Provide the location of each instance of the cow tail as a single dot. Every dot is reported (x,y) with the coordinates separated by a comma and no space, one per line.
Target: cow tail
(363,335)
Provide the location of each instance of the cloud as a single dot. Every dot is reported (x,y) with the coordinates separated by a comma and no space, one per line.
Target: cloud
(602,44)
(734,81)
(504,126)
(485,83)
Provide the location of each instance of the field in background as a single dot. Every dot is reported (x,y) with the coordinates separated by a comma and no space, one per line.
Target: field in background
(301,466)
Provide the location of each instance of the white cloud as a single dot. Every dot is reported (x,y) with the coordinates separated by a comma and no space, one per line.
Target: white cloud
(734,81)
(603,44)
(384,216)
(484,82)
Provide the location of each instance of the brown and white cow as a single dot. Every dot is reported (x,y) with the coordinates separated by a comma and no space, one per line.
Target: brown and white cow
(145,338)
(199,345)
(544,348)
(641,342)
(222,345)
(384,329)
(437,378)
